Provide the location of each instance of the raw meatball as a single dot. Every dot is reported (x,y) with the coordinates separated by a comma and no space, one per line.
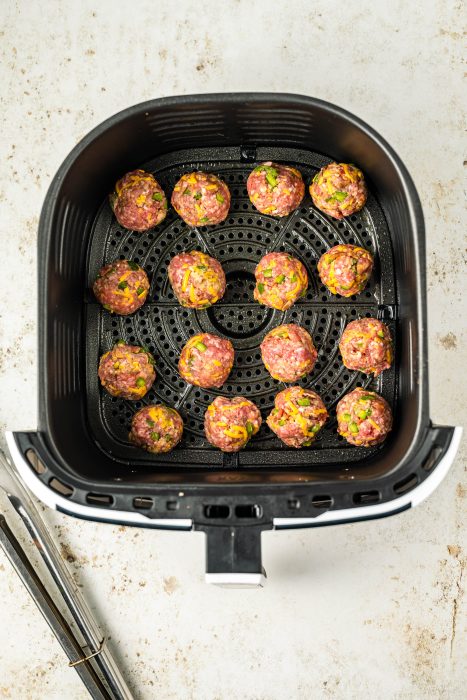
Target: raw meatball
(121,287)
(275,189)
(230,423)
(139,202)
(345,269)
(366,346)
(298,416)
(156,428)
(339,190)
(288,352)
(206,360)
(363,417)
(127,371)
(201,199)
(280,280)
(197,279)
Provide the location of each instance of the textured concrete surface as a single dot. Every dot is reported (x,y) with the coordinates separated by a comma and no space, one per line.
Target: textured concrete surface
(349,612)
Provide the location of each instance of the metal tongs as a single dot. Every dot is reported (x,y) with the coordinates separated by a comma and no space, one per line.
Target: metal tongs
(87,651)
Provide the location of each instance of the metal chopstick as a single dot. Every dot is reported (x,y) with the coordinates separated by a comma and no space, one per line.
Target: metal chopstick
(51,613)
(25,507)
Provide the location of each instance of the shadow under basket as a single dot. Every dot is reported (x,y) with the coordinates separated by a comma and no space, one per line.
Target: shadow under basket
(80,459)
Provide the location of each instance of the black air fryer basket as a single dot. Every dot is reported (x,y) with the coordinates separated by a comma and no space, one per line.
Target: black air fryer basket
(80,460)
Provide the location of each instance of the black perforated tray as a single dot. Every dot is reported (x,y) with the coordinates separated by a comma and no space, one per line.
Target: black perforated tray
(238,243)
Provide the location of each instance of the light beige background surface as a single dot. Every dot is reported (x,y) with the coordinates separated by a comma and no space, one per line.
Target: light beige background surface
(359,611)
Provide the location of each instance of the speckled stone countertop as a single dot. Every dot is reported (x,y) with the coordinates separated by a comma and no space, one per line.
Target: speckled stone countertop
(358,611)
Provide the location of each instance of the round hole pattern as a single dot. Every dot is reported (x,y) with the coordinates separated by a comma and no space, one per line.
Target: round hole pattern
(163,326)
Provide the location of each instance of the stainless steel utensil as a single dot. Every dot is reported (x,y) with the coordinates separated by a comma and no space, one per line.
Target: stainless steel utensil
(51,613)
(94,640)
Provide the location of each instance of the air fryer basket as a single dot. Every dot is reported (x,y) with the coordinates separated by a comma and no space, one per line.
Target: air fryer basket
(85,457)
(164,326)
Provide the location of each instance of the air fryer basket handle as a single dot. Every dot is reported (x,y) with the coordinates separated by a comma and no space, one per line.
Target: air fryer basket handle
(233,551)
(233,555)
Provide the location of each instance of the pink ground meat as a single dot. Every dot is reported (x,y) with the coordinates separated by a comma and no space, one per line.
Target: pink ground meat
(345,269)
(197,279)
(275,189)
(280,280)
(206,360)
(339,190)
(156,428)
(230,423)
(364,418)
(201,199)
(139,202)
(127,371)
(288,352)
(297,417)
(121,287)
(366,346)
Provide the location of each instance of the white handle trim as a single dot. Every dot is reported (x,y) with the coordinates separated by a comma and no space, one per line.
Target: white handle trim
(55,501)
(236,580)
(413,498)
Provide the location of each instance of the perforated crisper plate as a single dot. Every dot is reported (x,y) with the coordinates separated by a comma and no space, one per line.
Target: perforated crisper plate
(238,243)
